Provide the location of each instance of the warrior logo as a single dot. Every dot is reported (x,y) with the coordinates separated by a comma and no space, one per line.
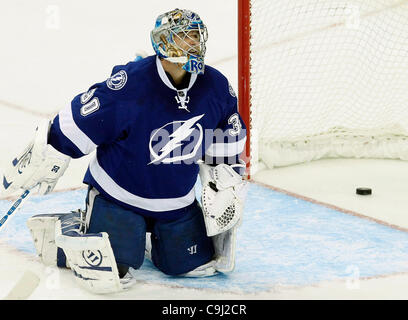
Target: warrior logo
(192,249)
(92,258)
(172,142)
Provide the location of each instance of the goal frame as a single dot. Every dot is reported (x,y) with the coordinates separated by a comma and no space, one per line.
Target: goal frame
(384,140)
(244,72)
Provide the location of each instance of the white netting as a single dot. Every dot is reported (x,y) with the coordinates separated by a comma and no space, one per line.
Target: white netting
(328,79)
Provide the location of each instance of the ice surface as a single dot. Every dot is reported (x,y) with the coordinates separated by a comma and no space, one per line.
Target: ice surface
(283,241)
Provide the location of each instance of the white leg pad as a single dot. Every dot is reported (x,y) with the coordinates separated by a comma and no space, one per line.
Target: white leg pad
(92,261)
(42,229)
(224,245)
(206,270)
(148,248)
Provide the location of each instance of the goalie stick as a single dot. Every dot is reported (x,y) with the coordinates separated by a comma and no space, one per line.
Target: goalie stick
(24,287)
(16,205)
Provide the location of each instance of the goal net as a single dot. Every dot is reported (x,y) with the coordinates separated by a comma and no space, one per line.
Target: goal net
(323,79)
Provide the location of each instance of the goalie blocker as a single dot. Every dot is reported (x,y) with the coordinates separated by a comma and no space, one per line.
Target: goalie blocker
(39,164)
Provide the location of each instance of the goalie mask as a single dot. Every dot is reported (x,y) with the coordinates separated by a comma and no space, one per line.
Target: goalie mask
(179,36)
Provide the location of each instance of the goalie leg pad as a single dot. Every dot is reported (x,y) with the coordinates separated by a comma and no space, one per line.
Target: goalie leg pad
(206,270)
(224,244)
(182,245)
(42,229)
(91,259)
(126,229)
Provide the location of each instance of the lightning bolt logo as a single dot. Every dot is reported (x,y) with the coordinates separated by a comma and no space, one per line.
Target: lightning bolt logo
(176,139)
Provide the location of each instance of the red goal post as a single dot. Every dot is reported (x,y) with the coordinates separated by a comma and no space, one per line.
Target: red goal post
(244,88)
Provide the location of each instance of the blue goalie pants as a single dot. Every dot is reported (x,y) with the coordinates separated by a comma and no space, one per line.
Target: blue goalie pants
(178,246)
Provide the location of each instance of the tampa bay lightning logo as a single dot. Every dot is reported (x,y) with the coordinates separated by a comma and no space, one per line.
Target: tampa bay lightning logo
(176,141)
(117,81)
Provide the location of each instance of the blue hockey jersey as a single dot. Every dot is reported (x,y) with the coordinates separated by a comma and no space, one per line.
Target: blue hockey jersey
(148,135)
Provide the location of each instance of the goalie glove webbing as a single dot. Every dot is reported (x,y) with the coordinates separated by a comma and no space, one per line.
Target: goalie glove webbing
(223,197)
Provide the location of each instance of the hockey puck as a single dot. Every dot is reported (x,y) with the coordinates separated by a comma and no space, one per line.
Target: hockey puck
(363,191)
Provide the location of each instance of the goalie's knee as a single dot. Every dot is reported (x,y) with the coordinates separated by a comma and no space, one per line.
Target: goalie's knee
(126,229)
(181,245)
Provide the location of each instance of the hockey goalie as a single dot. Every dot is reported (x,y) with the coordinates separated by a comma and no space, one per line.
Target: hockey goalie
(155,124)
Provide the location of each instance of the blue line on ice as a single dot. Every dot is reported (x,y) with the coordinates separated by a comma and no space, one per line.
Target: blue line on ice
(282,241)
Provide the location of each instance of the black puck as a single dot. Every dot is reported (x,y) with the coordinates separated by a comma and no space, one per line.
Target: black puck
(363,191)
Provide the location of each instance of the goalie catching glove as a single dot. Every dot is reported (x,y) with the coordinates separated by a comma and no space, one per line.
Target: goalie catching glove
(39,164)
(222,198)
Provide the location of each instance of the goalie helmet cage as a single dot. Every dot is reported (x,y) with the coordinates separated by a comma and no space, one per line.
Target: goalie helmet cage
(323,79)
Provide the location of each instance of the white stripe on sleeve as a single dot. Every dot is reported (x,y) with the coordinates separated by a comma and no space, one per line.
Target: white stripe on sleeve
(226,149)
(70,129)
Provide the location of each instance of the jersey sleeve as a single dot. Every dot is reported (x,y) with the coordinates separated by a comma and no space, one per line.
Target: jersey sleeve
(228,141)
(93,118)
